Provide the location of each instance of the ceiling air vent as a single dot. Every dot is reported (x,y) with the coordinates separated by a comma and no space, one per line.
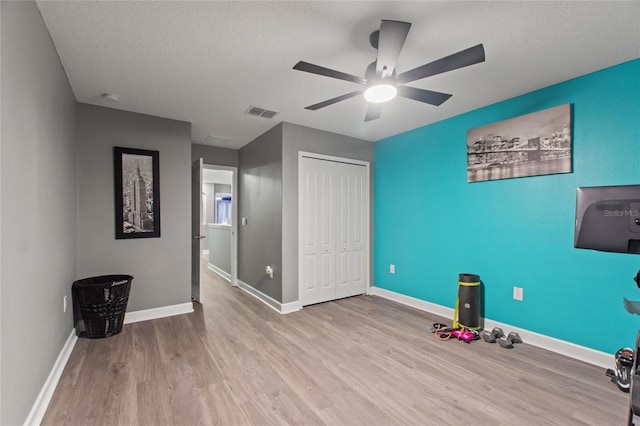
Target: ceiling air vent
(260,112)
(218,141)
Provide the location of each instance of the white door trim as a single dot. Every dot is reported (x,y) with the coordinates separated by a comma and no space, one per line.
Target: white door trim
(332,158)
(367,216)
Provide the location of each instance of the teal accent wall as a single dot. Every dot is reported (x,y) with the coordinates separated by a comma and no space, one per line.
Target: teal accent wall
(433,225)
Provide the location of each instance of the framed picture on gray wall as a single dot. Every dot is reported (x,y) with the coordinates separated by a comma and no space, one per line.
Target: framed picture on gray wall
(137,193)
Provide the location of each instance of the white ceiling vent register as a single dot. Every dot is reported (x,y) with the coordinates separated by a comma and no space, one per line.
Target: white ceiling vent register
(260,112)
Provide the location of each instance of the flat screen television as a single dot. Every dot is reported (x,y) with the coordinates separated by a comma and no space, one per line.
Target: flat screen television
(608,218)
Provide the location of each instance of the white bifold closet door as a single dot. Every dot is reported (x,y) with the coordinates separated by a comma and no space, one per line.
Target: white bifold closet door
(334,250)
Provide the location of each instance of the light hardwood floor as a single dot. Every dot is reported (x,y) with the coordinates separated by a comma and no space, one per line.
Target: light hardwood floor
(356,361)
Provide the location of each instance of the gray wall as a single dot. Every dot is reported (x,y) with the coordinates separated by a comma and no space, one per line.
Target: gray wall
(210,190)
(38,214)
(214,155)
(260,201)
(160,266)
(269,200)
(299,138)
(219,237)
(222,188)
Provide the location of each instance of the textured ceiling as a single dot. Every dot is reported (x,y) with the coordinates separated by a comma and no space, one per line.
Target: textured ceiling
(207,62)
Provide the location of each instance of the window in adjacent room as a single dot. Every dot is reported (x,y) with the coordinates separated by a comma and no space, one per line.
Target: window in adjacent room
(223,209)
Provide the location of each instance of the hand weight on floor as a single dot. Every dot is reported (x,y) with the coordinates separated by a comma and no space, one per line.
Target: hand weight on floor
(507,342)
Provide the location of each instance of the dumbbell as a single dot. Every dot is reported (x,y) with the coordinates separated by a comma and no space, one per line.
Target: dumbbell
(491,337)
(507,342)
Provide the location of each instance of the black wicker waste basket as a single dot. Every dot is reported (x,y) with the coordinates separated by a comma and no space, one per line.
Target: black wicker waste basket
(99,305)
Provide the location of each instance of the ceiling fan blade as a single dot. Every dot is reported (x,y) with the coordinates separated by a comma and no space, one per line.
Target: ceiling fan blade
(422,95)
(464,58)
(390,42)
(327,72)
(373,112)
(334,100)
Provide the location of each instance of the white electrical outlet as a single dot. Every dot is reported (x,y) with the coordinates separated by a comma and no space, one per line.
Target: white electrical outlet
(518,293)
(392,269)
(269,271)
(64,303)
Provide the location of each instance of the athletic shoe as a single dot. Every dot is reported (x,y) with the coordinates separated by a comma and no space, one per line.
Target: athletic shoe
(624,364)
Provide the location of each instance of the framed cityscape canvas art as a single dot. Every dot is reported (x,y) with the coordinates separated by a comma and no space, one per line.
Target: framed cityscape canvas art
(529,145)
(137,193)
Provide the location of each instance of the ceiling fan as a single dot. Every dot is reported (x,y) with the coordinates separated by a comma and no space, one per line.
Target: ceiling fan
(382,83)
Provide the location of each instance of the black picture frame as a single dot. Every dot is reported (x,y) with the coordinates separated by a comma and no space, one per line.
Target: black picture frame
(137,193)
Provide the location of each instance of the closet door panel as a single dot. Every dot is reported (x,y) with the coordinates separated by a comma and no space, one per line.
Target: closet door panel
(350,230)
(316,226)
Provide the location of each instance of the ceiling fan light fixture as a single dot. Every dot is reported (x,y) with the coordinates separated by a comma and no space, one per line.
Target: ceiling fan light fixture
(382,83)
(379,93)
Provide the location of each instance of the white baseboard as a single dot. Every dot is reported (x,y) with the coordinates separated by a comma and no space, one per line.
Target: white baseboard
(287,308)
(224,274)
(562,347)
(422,305)
(282,308)
(162,312)
(44,397)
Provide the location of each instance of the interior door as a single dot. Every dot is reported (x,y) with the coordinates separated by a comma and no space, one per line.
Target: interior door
(196,220)
(350,230)
(317,236)
(333,226)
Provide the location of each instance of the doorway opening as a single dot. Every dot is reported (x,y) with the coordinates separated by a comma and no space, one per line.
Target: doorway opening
(216,208)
